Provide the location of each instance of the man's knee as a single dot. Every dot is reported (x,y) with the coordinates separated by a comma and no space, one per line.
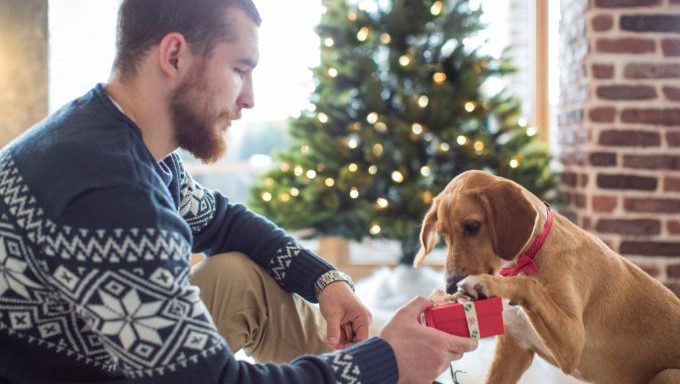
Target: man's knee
(234,267)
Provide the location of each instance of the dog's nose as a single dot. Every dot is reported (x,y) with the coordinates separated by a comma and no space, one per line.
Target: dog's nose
(452,284)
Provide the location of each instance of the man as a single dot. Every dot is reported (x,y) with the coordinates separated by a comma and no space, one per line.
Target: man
(98,219)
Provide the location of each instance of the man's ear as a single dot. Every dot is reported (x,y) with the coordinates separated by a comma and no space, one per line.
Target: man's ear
(173,55)
(428,235)
(510,217)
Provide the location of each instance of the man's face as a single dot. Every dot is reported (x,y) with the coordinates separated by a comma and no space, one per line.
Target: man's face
(215,91)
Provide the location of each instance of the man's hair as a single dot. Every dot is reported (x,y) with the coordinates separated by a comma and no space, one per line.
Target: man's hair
(203,23)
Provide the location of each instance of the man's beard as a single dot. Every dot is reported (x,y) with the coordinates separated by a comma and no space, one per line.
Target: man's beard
(195,120)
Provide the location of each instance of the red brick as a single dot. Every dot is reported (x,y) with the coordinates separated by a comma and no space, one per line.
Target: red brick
(668,116)
(673,139)
(650,248)
(629,138)
(625,45)
(602,114)
(626,92)
(603,71)
(586,223)
(602,23)
(650,23)
(629,227)
(651,71)
(673,286)
(625,3)
(603,159)
(628,182)
(673,271)
(669,162)
(580,200)
(583,180)
(671,184)
(671,93)
(568,178)
(605,204)
(674,228)
(670,47)
(651,205)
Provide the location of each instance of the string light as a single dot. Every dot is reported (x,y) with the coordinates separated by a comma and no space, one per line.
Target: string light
(324,9)
(284,167)
(329,182)
(470,106)
(385,38)
(372,170)
(380,127)
(298,171)
(514,163)
(269,182)
(354,193)
(353,142)
(311,174)
(425,171)
(378,150)
(382,203)
(423,101)
(266,196)
(353,167)
(323,118)
(532,131)
(461,140)
(416,128)
(439,77)
(444,147)
(375,229)
(404,60)
(372,117)
(362,35)
(436,8)
(397,177)
(304,148)
(284,197)
(355,126)
(479,146)
(427,197)
(294,192)
(522,122)
(351,16)
(332,72)
(329,42)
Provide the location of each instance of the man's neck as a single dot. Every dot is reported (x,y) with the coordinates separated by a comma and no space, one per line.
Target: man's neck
(146,109)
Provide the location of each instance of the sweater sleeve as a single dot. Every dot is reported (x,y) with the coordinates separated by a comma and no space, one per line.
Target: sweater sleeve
(219,226)
(125,270)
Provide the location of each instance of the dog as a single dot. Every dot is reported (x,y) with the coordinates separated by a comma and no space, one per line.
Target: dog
(574,301)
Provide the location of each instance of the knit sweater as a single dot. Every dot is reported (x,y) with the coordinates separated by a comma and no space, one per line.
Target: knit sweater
(95,240)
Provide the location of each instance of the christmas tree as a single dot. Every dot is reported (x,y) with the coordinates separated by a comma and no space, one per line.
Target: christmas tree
(398,112)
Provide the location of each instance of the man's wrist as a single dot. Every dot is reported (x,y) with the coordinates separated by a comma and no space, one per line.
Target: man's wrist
(331,277)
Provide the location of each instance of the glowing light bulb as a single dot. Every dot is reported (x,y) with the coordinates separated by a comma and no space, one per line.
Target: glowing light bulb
(382,203)
(397,177)
(404,60)
(461,140)
(354,193)
(439,77)
(329,42)
(284,197)
(372,170)
(311,174)
(378,149)
(353,167)
(298,171)
(470,106)
(284,167)
(266,196)
(294,192)
(362,35)
(532,131)
(385,38)
(323,118)
(514,163)
(372,117)
(444,147)
(351,16)
(479,146)
(423,101)
(425,171)
(329,182)
(436,8)
(375,229)
(332,72)
(416,128)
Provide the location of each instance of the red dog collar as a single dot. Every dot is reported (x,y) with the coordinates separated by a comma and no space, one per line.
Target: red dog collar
(525,263)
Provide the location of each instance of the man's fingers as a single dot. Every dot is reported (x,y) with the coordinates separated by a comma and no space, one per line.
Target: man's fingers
(460,344)
(416,306)
(333,330)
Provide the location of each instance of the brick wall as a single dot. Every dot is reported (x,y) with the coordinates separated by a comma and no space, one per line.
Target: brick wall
(619,127)
(23,66)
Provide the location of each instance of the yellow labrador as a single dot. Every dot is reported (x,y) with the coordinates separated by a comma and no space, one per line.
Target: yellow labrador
(574,302)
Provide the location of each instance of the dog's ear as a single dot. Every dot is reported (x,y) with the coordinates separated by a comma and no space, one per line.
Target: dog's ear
(428,235)
(511,217)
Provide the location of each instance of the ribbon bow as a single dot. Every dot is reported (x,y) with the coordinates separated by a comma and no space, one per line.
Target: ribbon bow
(525,263)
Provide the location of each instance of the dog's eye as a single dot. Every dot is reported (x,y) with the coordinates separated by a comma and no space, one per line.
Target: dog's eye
(471,228)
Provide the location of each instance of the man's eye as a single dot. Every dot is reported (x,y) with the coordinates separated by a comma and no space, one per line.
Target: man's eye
(240,72)
(471,228)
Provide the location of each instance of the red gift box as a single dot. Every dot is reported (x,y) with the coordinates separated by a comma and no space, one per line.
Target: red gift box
(451,318)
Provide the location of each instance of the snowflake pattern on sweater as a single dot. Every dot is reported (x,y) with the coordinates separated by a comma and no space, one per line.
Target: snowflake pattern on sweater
(151,320)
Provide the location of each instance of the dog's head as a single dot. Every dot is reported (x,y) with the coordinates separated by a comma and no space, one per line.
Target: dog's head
(484,220)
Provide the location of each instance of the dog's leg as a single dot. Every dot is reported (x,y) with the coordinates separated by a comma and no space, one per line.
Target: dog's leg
(667,376)
(510,361)
(559,326)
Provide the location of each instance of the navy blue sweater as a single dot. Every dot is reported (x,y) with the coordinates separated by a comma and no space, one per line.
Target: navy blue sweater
(95,240)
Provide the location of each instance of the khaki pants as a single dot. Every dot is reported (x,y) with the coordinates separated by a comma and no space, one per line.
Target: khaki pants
(253,312)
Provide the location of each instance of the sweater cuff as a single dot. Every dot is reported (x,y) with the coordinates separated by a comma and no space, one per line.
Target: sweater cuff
(371,361)
(304,271)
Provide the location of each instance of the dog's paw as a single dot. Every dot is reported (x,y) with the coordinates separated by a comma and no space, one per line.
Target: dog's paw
(476,286)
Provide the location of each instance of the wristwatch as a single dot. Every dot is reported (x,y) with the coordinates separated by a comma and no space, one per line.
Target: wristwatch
(331,277)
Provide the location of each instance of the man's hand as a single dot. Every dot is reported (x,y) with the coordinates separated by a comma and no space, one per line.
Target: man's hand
(422,353)
(340,306)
